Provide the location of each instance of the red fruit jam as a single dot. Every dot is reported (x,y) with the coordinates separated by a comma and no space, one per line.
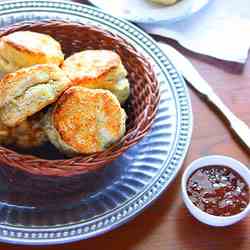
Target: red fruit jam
(218,190)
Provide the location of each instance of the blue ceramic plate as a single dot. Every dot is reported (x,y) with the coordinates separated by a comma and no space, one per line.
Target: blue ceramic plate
(144,11)
(122,190)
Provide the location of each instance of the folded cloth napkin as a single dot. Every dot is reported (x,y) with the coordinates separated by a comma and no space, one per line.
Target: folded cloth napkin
(221,30)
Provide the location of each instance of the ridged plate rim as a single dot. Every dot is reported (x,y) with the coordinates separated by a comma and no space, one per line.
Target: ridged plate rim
(76,231)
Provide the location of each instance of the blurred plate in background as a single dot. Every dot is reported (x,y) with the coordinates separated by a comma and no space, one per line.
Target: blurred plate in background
(143,11)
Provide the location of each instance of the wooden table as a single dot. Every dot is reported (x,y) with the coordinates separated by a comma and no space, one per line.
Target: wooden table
(167,225)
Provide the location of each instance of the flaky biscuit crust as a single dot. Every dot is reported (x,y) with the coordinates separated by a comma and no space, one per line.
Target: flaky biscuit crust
(98,69)
(28,134)
(88,120)
(28,90)
(24,48)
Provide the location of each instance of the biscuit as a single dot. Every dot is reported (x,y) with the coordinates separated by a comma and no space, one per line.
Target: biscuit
(165,2)
(29,90)
(85,121)
(24,48)
(28,134)
(98,69)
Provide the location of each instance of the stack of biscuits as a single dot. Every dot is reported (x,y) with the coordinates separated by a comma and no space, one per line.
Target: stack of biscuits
(75,104)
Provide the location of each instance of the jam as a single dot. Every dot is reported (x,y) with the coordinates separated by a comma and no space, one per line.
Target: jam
(218,190)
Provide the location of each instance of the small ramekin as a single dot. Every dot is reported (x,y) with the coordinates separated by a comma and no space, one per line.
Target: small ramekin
(217,221)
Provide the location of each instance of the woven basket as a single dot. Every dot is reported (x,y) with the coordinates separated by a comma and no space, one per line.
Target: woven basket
(141,107)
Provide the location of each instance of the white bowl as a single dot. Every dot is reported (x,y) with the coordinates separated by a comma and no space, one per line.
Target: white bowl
(212,220)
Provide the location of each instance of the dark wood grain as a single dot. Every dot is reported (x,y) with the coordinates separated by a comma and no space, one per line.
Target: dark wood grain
(167,223)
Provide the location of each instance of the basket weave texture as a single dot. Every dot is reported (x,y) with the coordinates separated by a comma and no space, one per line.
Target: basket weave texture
(141,107)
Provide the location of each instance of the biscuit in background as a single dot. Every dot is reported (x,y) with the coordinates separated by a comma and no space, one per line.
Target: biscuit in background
(164,2)
(24,48)
(28,134)
(29,90)
(98,69)
(85,121)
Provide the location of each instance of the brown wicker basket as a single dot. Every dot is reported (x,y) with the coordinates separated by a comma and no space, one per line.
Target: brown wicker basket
(141,107)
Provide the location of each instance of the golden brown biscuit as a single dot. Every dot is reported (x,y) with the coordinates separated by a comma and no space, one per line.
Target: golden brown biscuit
(28,134)
(85,121)
(98,69)
(24,48)
(29,90)
(165,2)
